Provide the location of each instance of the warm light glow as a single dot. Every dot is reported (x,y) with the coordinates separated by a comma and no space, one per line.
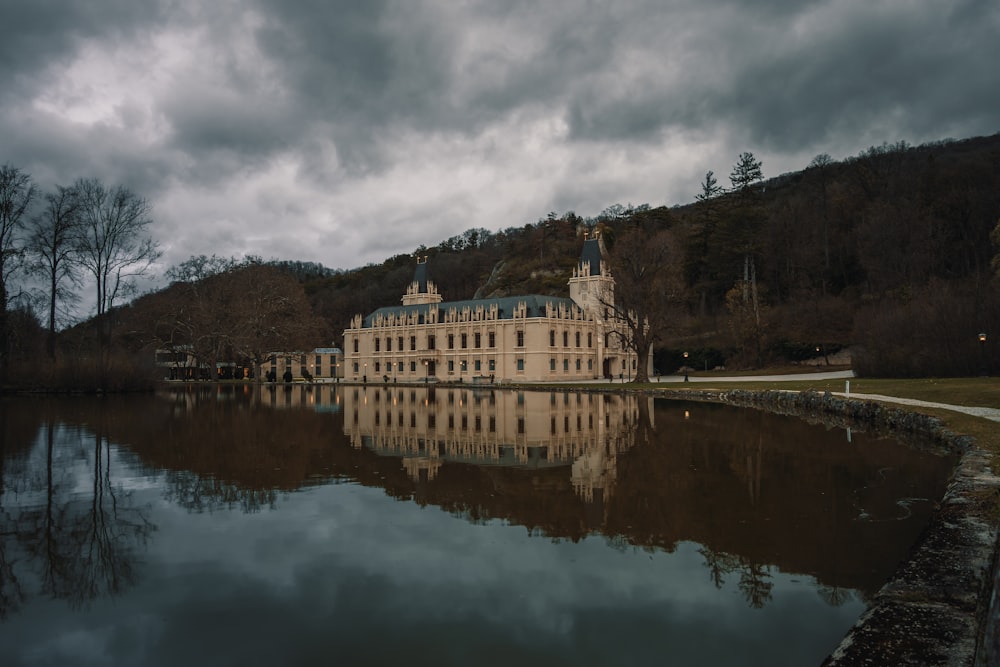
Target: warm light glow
(687,414)
(982,338)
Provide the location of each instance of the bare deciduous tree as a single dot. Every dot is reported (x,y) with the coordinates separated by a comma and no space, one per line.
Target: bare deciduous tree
(16,194)
(51,235)
(645,264)
(112,245)
(236,311)
(274,315)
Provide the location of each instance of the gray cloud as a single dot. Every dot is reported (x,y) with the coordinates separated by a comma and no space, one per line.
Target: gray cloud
(342,132)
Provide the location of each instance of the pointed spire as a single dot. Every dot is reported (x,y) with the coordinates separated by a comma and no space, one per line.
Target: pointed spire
(591,255)
(420,275)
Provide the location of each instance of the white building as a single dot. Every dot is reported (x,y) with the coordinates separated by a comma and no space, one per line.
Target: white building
(515,338)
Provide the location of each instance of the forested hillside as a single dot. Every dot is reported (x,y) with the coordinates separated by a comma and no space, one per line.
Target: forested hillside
(894,252)
(889,250)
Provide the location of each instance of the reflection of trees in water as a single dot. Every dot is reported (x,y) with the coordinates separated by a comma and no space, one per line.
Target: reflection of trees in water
(755,582)
(754,578)
(835,596)
(11,594)
(69,545)
(196,493)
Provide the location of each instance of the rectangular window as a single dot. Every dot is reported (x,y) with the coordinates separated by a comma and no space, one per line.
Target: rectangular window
(400,366)
(400,341)
(478,340)
(388,343)
(378,344)
(451,341)
(493,339)
(577,364)
(478,365)
(413,342)
(451,366)
(319,365)
(565,339)
(590,364)
(355,345)
(413,367)
(355,367)
(465,341)
(430,341)
(464,366)
(565,365)
(552,338)
(552,364)
(578,339)
(520,365)
(377,367)
(520,339)
(493,365)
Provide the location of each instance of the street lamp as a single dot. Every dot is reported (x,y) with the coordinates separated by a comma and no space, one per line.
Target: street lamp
(426,372)
(686,367)
(982,354)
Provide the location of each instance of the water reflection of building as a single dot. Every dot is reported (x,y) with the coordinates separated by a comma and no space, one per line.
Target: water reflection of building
(318,397)
(427,427)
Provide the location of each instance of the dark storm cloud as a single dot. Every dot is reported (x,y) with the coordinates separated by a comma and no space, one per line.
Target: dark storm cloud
(353,71)
(316,117)
(39,34)
(787,75)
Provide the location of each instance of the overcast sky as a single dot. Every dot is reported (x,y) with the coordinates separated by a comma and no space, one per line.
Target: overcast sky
(346,131)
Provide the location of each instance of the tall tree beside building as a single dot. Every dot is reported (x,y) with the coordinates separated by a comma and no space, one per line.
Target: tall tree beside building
(16,195)
(113,246)
(50,245)
(644,262)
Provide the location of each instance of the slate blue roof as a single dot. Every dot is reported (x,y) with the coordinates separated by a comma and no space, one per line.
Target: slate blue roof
(420,277)
(534,305)
(592,253)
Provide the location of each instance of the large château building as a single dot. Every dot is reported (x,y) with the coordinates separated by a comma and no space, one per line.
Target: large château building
(514,338)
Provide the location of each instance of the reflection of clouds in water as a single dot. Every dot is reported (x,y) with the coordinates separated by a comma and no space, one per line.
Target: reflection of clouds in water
(360,528)
(334,568)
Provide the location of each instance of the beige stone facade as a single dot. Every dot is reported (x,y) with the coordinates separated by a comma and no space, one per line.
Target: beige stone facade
(321,364)
(530,338)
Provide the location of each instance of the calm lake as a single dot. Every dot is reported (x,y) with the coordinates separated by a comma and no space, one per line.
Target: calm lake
(310,525)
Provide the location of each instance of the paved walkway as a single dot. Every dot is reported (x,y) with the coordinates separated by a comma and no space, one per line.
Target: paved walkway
(993,414)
